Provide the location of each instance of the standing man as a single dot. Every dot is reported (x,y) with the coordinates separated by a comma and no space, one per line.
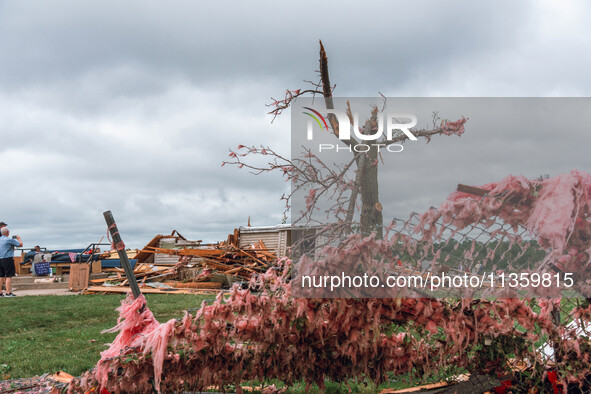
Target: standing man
(2,224)
(7,260)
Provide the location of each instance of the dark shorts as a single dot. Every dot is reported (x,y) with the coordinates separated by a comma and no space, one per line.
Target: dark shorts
(7,268)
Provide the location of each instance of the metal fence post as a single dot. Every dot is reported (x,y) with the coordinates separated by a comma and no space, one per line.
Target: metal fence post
(120,246)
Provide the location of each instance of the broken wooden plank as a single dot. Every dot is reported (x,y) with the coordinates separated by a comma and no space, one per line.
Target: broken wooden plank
(188,252)
(233,271)
(431,386)
(79,276)
(472,190)
(61,376)
(195,285)
(147,290)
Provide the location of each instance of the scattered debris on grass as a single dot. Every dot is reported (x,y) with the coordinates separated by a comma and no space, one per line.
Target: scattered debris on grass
(200,269)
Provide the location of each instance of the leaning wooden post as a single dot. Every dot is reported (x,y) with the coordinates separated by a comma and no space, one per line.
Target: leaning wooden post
(120,246)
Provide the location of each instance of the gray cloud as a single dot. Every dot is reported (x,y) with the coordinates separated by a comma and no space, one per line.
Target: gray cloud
(133,106)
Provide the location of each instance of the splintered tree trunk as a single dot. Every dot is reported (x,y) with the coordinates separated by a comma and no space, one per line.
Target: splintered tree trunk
(367,164)
(371,209)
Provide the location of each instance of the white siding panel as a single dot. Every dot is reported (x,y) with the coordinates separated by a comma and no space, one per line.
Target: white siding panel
(283,244)
(271,240)
(165,259)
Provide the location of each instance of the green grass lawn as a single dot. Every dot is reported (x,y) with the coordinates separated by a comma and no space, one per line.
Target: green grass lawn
(50,333)
(43,334)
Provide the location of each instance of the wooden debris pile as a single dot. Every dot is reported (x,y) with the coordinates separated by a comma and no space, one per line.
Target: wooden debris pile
(227,259)
(196,268)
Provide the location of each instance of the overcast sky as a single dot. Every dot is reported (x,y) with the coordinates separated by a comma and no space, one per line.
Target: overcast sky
(132,106)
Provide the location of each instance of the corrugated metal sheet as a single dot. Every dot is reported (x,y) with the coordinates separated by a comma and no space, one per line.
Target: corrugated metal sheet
(284,243)
(166,242)
(276,238)
(164,259)
(262,229)
(271,240)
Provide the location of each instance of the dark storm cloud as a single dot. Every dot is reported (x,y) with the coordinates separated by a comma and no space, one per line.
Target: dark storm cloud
(132,106)
(217,43)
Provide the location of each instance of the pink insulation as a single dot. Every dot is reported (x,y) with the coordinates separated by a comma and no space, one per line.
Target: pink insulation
(263,332)
(137,329)
(247,336)
(134,319)
(548,208)
(555,211)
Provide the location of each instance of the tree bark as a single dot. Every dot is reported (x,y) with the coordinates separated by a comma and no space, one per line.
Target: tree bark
(366,179)
(371,219)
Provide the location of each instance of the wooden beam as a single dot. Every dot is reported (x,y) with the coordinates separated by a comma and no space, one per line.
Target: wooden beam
(472,190)
(431,386)
(147,290)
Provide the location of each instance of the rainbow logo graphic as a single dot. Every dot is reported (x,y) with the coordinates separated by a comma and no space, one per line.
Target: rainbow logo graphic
(315,118)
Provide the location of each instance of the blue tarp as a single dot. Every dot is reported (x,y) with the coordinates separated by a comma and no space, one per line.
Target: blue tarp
(116,263)
(62,256)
